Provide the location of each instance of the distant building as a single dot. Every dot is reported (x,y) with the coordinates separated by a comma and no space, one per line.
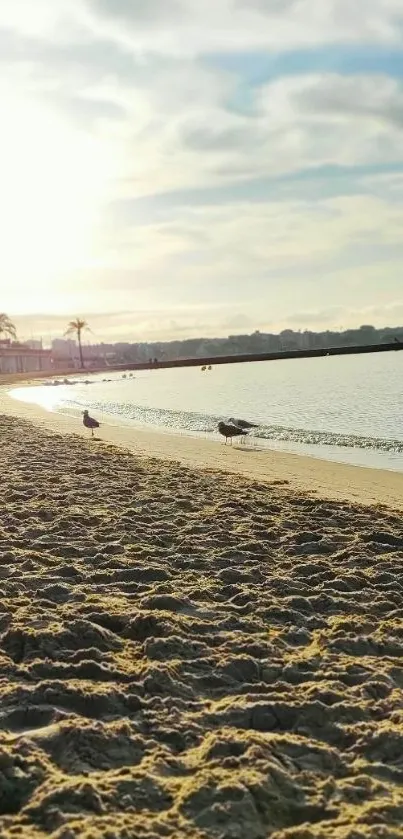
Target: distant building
(65,354)
(18,358)
(63,346)
(33,344)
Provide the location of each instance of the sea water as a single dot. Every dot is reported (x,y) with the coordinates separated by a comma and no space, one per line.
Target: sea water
(343,408)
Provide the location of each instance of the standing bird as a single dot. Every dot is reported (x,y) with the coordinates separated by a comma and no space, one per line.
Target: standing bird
(89,422)
(240,423)
(230,431)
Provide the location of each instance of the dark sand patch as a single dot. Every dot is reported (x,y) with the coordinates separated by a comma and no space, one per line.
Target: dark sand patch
(186,654)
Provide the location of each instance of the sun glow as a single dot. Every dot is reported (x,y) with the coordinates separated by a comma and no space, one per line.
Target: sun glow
(53,179)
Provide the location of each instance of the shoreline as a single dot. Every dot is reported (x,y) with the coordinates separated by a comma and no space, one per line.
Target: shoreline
(327,479)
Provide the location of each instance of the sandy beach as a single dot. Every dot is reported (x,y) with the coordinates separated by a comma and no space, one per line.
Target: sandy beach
(325,478)
(195,652)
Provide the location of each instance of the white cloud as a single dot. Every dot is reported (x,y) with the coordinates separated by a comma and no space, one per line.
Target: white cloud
(260,239)
(107,102)
(181,132)
(227,25)
(299,122)
(169,117)
(39,18)
(272,255)
(136,12)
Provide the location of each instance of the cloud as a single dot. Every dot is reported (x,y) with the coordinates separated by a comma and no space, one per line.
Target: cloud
(319,317)
(239,321)
(268,7)
(152,13)
(229,25)
(339,318)
(258,260)
(295,123)
(170,117)
(132,326)
(374,97)
(321,118)
(276,234)
(387,313)
(40,18)
(184,178)
(160,325)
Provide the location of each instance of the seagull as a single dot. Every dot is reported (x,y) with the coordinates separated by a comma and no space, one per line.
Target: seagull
(230,431)
(89,422)
(244,424)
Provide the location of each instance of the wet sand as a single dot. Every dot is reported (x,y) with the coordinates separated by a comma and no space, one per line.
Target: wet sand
(190,653)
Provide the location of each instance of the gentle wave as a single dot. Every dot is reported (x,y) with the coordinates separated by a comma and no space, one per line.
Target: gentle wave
(329,438)
(199,423)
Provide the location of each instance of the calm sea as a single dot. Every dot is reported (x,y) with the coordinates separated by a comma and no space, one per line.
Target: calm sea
(347,409)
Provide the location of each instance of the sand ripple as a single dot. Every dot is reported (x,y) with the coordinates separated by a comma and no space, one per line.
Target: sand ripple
(188,654)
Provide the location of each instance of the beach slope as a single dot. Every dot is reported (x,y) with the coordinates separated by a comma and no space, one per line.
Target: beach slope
(189,653)
(328,479)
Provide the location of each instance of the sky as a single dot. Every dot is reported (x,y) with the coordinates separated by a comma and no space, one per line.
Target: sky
(172,168)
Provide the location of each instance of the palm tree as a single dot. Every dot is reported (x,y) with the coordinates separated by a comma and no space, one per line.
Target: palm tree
(77,327)
(7,327)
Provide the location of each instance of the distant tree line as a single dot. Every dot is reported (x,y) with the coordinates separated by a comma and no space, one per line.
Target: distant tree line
(257,342)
